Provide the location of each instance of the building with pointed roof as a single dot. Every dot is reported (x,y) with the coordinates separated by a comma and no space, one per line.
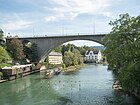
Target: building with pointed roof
(93,56)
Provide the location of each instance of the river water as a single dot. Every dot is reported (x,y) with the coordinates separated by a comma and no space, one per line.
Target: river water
(91,85)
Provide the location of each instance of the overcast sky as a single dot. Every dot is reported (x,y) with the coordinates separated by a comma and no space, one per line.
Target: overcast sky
(58,17)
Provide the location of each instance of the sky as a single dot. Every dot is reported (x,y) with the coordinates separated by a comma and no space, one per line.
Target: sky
(62,17)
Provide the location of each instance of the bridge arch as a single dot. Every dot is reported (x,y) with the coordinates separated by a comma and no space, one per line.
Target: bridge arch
(57,45)
(46,44)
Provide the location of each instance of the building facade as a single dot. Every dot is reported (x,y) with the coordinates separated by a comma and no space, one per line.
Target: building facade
(55,58)
(93,56)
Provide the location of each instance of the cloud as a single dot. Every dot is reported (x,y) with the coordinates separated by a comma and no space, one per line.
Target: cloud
(16,25)
(108,14)
(54,18)
(50,18)
(72,8)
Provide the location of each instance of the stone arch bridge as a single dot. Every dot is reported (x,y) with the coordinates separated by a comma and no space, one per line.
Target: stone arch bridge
(46,44)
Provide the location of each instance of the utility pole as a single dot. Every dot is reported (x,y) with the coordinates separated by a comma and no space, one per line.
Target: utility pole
(93,27)
(33,31)
(63,29)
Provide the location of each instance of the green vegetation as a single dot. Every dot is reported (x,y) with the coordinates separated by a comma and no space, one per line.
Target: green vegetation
(123,51)
(1,37)
(4,56)
(1,75)
(22,51)
(72,58)
(15,48)
(73,55)
(71,47)
(50,66)
(30,50)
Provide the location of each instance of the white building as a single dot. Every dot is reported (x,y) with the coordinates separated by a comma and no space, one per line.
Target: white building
(55,58)
(91,56)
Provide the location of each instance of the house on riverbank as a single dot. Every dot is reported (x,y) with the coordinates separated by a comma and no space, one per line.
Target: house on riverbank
(17,71)
(55,58)
(93,57)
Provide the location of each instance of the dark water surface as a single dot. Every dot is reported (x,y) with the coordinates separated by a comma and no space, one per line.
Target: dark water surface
(92,85)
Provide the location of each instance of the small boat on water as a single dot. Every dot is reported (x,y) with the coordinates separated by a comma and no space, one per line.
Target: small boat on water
(57,71)
(49,74)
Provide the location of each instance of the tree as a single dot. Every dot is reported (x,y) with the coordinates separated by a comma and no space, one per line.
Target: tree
(4,56)
(58,49)
(2,39)
(1,33)
(123,50)
(77,59)
(68,58)
(30,50)
(15,48)
(1,75)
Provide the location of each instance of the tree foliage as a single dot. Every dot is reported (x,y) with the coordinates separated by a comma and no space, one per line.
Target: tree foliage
(73,55)
(68,58)
(123,50)
(4,56)
(15,48)
(30,50)
(2,39)
(71,47)
(72,58)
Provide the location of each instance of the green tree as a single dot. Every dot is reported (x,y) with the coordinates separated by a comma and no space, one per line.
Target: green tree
(64,49)
(2,39)
(1,75)
(1,33)
(30,50)
(123,50)
(77,57)
(68,58)
(15,48)
(4,57)
(58,49)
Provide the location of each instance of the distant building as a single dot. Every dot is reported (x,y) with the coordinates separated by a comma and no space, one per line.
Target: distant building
(17,71)
(93,56)
(55,58)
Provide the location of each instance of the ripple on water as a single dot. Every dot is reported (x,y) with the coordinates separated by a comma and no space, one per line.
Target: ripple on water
(92,85)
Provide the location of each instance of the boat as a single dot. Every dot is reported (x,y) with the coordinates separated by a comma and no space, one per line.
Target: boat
(49,74)
(57,71)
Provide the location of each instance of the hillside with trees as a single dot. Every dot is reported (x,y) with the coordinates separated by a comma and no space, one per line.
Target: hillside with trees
(16,51)
(4,55)
(73,55)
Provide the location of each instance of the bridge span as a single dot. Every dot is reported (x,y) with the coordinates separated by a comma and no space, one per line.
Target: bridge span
(47,43)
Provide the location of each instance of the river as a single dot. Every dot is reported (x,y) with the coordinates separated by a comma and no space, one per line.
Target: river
(91,85)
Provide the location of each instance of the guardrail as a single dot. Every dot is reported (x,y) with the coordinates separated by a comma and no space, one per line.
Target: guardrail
(57,35)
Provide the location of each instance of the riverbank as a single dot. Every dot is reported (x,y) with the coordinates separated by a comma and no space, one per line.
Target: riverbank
(1,81)
(72,68)
(118,86)
(13,77)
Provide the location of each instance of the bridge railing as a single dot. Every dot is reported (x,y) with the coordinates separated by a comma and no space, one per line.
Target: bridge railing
(56,35)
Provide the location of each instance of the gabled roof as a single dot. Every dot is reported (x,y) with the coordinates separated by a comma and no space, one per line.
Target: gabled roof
(55,54)
(94,52)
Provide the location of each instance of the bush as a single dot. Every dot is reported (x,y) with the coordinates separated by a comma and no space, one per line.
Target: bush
(1,75)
